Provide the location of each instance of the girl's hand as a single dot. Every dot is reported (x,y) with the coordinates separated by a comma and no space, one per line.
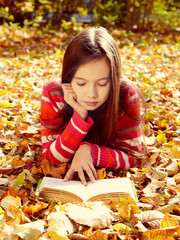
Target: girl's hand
(81,162)
(71,98)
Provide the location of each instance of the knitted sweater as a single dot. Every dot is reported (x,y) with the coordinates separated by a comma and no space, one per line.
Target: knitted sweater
(60,146)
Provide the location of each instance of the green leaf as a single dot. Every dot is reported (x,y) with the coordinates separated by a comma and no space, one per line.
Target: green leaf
(19,180)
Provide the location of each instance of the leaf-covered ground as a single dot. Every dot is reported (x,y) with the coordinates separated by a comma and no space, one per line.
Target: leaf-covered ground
(29,58)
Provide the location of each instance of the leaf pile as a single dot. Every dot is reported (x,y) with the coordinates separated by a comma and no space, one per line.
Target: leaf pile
(28,59)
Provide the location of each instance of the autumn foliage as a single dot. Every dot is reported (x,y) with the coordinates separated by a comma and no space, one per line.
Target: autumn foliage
(29,58)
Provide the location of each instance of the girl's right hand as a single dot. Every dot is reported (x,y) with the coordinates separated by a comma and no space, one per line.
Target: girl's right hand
(71,98)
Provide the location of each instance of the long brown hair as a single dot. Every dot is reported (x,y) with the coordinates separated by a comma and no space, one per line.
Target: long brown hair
(90,44)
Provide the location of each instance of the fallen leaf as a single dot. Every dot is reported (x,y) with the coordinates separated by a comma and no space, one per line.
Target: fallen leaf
(152,218)
(153,186)
(30,231)
(10,200)
(101,173)
(120,227)
(168,221)
(93,214)
(98,235)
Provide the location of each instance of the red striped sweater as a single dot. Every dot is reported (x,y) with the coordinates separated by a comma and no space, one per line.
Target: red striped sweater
(60,146)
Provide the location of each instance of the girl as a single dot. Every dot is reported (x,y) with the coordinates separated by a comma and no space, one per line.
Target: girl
(91,116)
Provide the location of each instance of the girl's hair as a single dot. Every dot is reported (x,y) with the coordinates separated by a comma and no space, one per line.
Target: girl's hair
(90,44)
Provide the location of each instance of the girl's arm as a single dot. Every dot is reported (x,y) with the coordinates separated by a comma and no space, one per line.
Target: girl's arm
(59,146)
(128,136)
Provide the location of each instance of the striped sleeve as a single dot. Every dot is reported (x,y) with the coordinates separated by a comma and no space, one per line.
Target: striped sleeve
(128,135)
(59,146)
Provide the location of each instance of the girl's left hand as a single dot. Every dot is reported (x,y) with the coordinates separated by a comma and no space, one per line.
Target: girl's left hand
(82,161)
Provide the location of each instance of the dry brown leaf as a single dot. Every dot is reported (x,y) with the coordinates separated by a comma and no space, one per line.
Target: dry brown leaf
(78,236)
(173,168)
(7,201)
(177,177)
(17,162)
(50,169)
(34,209)
(152,218)
(92,214)
(159,174)
(151,160)
(153,186)
(97,235)
(167,208)
(30,231)
(13,216)
(59,218)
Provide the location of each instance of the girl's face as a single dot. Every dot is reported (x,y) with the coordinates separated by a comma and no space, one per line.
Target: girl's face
(91,83)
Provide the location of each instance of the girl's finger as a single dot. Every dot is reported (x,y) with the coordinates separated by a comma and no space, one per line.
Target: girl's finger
(68,175)
(94,172)
(82,177)
(90,174)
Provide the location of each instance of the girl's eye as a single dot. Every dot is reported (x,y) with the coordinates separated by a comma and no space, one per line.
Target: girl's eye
(80,84)
(103,84)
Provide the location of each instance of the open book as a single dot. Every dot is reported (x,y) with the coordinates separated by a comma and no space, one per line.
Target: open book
(74,191)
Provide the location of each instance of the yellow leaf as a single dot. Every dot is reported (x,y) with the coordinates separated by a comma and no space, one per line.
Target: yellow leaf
(17,83)
(163,238)
(101,173)
(126,201)
(36,170)
(177,122)
(5,105)
(1,210)
(176,152)
(120,227)
(9,146)
(143,169)
(3,92)
(55,236)
(161,137)
(88,232)
(28,83)
(19,180)
(61,207)
(125,212)
(168,221)
(162,233)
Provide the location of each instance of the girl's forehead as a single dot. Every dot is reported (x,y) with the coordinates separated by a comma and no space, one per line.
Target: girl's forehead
(96,67)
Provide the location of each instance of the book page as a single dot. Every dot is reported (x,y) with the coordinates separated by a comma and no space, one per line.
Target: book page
(113,185)
(75,187)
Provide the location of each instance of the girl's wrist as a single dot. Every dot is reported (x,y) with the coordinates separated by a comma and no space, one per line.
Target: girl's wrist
(83,115)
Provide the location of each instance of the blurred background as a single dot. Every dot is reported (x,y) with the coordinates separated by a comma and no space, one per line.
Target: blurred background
(131,15)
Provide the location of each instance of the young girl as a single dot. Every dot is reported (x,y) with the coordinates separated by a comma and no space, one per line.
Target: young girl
(91,116)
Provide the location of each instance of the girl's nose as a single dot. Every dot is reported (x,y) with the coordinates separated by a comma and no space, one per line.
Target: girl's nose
(92,92)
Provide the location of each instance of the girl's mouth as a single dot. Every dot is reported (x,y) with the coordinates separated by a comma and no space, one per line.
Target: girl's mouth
(91,104)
